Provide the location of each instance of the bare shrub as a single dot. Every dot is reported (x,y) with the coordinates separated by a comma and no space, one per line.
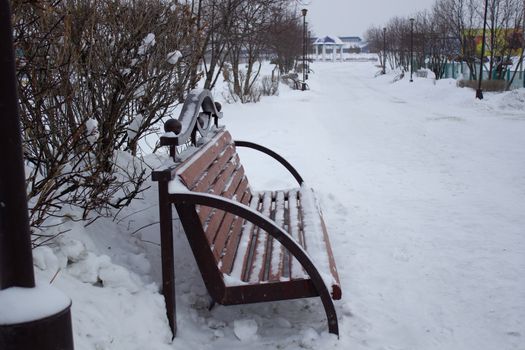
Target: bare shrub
(94,76)
(269,86)
(292,80)
(241,93)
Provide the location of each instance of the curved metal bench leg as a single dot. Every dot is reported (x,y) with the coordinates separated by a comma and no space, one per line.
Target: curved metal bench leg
(333,325)
(211,304)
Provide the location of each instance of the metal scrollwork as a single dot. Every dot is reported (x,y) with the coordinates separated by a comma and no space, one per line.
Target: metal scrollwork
(196,116)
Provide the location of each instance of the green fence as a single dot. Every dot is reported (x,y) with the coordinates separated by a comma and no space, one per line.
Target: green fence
(460,70)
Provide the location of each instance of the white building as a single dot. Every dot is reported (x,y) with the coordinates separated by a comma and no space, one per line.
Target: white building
(354,44)
(328,45)
(332,48)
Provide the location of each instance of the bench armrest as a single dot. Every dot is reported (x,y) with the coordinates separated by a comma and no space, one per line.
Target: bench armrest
(268,225)
(274,155)
(190,118)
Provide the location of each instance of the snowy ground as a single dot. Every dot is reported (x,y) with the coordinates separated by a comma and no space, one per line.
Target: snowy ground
(423,191)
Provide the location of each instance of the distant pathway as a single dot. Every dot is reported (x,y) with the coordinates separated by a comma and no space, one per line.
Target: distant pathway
(425,198)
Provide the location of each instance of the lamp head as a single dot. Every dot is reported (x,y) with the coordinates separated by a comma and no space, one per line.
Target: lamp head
(304,11)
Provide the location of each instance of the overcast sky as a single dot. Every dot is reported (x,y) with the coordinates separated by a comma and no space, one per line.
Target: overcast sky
(353,17)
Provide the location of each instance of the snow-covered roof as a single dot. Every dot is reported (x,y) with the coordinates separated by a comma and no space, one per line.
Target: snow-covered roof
(329,40)
(350,38)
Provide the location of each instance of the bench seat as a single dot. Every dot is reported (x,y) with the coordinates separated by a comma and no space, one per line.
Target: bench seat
(258,258)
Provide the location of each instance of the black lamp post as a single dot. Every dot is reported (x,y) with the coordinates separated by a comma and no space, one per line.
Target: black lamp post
(479,91)
(384,50)
(411,48)
(16,261)
(304,11)
(308,51)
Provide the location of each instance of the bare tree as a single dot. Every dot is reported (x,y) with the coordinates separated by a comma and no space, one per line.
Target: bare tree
(375,40)
(460,20)
(284,38)
(220,19)
(505,18)
(247,43)
(516,39)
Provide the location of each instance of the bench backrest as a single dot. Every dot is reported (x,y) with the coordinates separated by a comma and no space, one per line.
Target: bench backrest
(215,168)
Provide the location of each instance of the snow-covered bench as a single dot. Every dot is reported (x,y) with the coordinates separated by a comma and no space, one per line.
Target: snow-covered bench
(249,246)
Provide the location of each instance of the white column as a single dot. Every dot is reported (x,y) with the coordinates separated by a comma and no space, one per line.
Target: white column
(316,52)
(324,51)
(341,53)
(334,50)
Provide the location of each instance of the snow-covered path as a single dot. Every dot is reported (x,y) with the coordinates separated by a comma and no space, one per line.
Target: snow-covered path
(423,189)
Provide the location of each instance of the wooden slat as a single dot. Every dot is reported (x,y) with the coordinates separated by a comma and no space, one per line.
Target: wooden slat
(336,289)
(253,293)
(316,240)
(246,245)
(254,265)
(242,191)
(264,274)
(287,258)
(221,235)
(233,182)
(231,245)
(198,163)
(218,188)
(213,223)
(262,260)
(215,218)
(277,258)
(215,169)
(225,229)
(295,230)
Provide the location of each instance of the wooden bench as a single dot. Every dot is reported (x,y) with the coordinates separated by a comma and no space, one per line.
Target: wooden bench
(249,246)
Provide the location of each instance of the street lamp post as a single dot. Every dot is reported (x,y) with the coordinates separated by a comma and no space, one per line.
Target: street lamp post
(384,50)
(411,48)
(308,51)
(479,91)
(50,329)
(304,11)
